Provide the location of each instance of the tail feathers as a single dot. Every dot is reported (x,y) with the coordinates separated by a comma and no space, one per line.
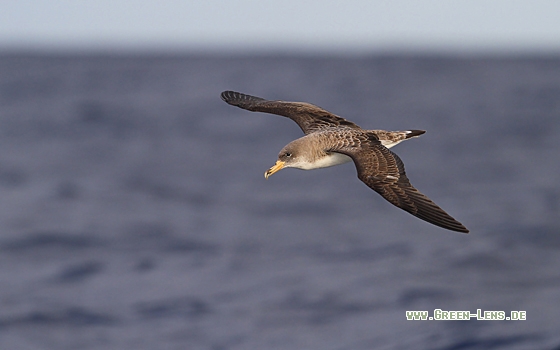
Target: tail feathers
(413,133)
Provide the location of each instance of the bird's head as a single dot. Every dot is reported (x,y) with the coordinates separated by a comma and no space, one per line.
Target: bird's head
(291,156)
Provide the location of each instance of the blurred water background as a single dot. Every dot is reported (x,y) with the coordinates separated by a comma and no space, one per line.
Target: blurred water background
(135,214)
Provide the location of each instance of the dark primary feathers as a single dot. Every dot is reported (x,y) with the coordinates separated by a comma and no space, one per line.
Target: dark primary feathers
(383,171)
(378,167)
(309,117)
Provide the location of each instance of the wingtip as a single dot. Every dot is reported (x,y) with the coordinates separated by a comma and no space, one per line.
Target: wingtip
(239,99)
(446,222)
(461,229)
(227,95)
(450,223)
(425,209)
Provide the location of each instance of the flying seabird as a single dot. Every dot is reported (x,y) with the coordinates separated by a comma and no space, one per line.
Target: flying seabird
(331,140)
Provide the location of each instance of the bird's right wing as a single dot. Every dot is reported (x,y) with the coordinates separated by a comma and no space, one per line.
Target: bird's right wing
(310,118)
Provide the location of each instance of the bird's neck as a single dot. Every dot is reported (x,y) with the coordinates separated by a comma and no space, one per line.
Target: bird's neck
(327,160)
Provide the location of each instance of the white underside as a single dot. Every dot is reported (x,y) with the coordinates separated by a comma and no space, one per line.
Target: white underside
(336,158)
(325,162)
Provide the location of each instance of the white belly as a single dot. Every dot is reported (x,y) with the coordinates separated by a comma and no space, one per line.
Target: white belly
(325,162)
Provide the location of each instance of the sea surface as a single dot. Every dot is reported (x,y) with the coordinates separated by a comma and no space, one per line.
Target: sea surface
(134,213)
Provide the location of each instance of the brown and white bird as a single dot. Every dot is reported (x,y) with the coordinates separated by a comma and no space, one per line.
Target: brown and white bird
(331,140)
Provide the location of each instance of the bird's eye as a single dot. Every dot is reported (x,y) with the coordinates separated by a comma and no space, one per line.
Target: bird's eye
(288,154)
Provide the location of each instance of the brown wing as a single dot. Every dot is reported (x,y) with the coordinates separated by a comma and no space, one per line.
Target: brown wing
(310,118)
(383,171)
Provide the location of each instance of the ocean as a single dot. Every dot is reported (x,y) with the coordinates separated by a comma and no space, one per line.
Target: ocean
(135,214)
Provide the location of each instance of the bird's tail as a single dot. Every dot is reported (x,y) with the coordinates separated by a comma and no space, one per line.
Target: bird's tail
(413,133)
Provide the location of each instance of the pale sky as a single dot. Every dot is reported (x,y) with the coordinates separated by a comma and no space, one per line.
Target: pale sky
(305,25)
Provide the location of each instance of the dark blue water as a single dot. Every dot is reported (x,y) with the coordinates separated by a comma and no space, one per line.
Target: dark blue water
(135,215)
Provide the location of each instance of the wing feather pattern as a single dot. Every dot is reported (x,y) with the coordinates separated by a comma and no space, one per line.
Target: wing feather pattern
(383,171)
(310,118)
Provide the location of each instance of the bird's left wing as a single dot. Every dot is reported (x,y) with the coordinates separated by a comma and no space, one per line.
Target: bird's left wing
(383,171)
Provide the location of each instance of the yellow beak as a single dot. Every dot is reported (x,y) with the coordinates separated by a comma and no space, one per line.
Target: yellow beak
(277,167)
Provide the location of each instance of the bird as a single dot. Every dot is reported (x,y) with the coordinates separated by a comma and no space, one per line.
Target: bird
(331,140)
